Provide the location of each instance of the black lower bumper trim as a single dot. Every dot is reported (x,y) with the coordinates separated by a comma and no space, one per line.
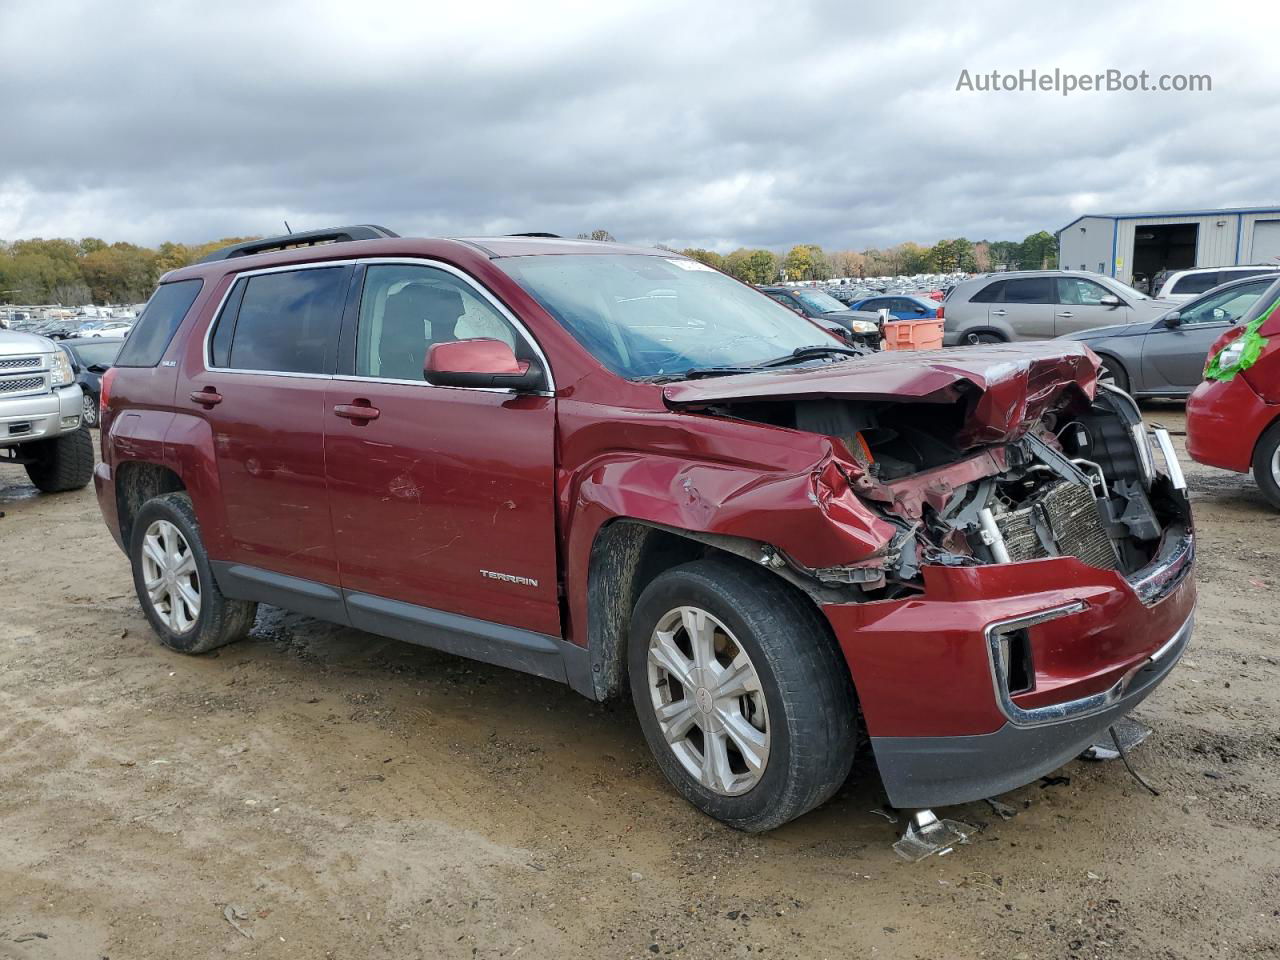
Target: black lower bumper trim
(939,771)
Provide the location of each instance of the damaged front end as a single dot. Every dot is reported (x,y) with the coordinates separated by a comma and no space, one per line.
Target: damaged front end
(1001,456)
(1031,581)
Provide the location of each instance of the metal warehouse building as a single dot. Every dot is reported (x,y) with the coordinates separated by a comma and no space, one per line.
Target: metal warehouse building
(1131,246)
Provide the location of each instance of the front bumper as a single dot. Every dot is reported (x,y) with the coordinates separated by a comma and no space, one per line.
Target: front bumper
(1225,418)
(23,419)
(943,723)
(938,771)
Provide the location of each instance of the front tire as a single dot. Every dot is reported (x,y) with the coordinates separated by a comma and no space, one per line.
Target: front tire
(175,583)
(61,463)
(741,693)
(1114,373)
(89,409)
(1266,465)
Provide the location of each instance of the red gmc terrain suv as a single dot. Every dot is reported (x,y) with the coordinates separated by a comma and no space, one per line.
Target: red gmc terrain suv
(617,468)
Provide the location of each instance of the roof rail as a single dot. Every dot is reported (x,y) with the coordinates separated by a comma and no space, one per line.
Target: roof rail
(308,238)
(545,236)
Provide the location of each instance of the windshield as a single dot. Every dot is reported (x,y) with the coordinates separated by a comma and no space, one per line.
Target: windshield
(819,301)
(649,316)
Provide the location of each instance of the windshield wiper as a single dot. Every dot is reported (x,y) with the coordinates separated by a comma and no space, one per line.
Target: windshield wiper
(808,353)
(798,355)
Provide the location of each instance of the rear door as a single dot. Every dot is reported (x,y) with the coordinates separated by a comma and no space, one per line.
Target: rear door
(1028,306)
(1080,306)
(262,390)
(1174,357)
(442,497)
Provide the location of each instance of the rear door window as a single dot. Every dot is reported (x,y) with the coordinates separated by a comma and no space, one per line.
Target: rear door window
(151,335)
(1029,290)
(286,322)
(1196,282)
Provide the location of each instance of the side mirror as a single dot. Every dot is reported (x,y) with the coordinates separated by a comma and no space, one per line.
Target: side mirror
(1110,300)
(1172,320)
(97,368)
(920,310)
(480,363)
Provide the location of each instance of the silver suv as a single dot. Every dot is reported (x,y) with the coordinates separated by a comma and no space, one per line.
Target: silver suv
(40,407)
(1040,305)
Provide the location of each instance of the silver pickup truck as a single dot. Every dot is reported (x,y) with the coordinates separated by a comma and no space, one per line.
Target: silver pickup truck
(40,408)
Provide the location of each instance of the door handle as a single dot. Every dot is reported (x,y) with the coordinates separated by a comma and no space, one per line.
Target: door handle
(207,397)
(360,411)
(1066,313)
(998,313)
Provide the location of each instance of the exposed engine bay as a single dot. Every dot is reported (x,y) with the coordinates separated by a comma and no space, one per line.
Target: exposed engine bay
(1080,482)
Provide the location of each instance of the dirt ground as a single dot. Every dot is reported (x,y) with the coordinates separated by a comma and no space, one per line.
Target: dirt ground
(348,796)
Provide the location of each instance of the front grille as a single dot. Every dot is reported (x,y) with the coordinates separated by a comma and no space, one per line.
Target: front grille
(1064,521)
(22,385)
(19,363)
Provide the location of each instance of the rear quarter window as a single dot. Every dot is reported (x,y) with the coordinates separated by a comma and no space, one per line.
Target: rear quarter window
(991,293)
(152,334)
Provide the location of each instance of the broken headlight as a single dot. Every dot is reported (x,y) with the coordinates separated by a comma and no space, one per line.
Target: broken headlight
(1231,354)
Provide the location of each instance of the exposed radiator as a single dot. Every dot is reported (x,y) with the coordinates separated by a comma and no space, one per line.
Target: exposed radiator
(1063,521)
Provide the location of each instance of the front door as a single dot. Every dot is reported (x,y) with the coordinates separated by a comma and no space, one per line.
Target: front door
(1080,306)
(261,388)
(1174,357)
(442,498)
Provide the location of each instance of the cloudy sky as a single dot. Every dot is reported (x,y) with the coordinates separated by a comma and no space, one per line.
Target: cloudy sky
(709,124)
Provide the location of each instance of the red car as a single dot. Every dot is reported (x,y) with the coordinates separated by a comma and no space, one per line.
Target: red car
(620,469)
(1233,417)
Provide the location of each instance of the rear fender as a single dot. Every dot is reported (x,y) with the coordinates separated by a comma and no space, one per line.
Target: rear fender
(190,453)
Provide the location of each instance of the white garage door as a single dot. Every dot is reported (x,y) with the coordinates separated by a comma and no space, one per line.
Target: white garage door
(1266,241)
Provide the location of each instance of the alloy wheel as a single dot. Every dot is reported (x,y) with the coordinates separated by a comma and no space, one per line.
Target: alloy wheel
(170,576)
(89,409)
(709,704)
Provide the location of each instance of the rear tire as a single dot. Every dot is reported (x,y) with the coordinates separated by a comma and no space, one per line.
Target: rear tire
(978,338)
(782,730)
(62,463)
(1266,464)
(175,582)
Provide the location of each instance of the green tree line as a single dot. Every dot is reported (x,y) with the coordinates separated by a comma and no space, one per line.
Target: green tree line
(75,272)
(808,261)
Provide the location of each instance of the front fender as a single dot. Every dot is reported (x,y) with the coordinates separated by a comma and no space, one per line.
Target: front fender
(811,514)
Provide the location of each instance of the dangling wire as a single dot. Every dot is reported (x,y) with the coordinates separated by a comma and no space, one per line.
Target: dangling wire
(1115,738)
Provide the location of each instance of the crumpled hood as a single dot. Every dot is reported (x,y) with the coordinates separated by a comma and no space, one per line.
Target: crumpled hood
(1007,387)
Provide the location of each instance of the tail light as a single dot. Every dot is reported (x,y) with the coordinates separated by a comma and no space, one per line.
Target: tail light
(104,392)
(941,308)
(104,401)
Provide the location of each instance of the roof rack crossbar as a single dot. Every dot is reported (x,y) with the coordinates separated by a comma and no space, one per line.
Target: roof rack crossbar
(366,231)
